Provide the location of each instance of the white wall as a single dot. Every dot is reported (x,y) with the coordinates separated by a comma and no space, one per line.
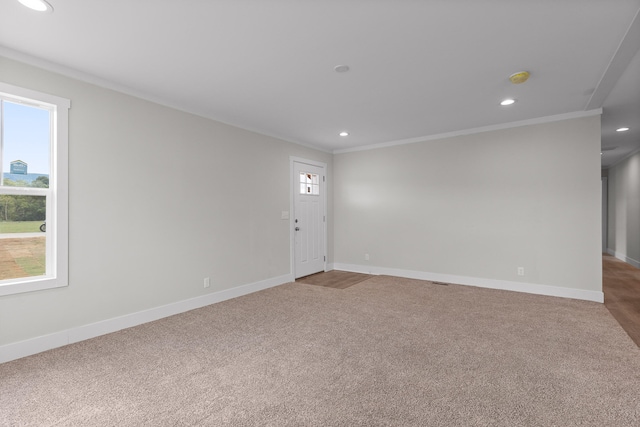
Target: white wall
(624,210)
(159,199)
(473,208)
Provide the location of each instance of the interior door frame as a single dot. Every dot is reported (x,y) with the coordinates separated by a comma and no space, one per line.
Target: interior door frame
(605,214)
(294,186)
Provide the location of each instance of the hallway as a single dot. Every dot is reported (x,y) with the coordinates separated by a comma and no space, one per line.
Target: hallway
(621,286)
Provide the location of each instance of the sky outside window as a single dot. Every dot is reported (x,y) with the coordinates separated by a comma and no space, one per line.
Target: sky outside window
(26,137)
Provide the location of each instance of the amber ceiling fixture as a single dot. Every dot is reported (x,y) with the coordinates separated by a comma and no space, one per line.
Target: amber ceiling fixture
(519,77)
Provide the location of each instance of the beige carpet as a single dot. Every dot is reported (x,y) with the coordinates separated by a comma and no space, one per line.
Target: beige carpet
(385,352)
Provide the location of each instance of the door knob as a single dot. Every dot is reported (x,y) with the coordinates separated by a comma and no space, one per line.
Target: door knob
(297,228)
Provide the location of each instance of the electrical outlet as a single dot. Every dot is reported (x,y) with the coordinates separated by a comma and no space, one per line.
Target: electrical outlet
(366,257)
(520,271)
(207,283)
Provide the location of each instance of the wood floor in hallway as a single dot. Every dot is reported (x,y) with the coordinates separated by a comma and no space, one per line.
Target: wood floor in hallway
(334,279)
(621,286)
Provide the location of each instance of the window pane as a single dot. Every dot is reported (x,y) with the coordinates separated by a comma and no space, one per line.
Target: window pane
(309,183)
(26,146)
(22,236)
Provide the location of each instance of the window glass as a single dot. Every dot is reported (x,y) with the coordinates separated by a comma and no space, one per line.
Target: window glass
(22,236)
(25,154)
(309,184)
(26,145)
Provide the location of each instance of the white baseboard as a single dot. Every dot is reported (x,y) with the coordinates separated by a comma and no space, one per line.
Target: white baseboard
(530,288)
(31,346)
(624,257)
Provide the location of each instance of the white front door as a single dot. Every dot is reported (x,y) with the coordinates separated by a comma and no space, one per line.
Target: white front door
(308,218)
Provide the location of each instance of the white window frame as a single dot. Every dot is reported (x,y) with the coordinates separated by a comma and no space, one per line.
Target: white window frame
(57,205)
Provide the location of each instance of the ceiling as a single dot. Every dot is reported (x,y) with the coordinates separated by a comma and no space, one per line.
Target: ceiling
(417,68)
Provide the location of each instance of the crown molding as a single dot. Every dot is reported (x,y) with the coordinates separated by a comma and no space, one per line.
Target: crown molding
(471,131)
(107,84)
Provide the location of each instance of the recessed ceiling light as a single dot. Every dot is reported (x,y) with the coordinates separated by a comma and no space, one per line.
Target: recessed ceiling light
(343,133)
(341,68)
(37,5)
(622,129)
(508,102)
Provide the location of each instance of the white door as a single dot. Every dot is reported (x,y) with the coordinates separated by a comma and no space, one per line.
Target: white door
(308,218)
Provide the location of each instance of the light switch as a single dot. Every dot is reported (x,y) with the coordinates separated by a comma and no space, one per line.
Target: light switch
(284,215)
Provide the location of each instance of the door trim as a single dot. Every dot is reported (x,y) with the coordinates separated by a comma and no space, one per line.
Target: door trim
(605,214)
(292,188)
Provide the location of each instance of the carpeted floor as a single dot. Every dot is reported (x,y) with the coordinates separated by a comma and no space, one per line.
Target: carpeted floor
(384,352)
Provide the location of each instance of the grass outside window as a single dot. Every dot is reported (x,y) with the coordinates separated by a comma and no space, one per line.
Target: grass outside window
(20,226)
(22,256)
